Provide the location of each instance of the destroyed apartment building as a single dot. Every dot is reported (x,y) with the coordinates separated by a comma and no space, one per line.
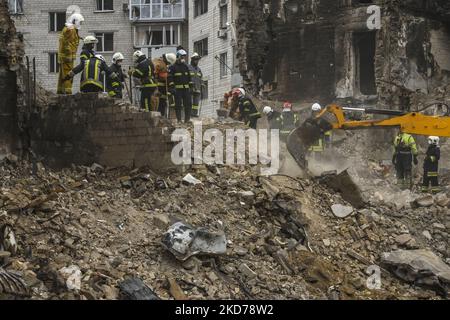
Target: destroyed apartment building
(326,50)
(92,209)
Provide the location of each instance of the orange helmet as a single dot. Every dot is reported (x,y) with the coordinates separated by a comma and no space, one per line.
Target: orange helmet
(287,105)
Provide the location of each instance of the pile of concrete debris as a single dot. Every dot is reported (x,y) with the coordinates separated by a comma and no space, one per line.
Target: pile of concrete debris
(211,232)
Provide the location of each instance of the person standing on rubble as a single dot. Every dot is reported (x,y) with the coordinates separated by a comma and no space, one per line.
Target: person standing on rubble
(319,146)
(197,80)
(145,72)
(69,41)
(248,111)
(181,86)
(115,87)
(92,69)
(289,121)
(405,154)
(273,117)
(431,166)
(161,73)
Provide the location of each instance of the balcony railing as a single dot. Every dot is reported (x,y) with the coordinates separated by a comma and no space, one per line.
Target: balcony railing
(148,10)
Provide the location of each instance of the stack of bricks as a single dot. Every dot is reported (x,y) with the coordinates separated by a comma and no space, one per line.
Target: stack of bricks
(87,128)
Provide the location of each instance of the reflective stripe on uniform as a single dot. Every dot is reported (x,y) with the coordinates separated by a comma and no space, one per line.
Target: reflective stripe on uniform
(432,174)
(182,86)
(195,107)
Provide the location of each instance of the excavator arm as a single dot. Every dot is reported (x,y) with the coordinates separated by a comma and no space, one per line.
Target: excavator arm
(333,117)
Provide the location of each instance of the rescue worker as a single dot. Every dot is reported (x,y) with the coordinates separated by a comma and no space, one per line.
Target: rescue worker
(69,41)
(273,117)
(161,74)
(87,51)
(197,79)
(180,85)
(91,78)
(248,112)
(144,71)
(319,146)
(431,166)
(115,87)
(405,153)
(289,121)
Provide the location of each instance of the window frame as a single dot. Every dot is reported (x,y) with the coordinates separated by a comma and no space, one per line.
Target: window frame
(205,6)
(202,41)
(101,39)
(102,9)
(56,14)
(223,65)
(15,12)
(223,8)
(53,63)
(204,90)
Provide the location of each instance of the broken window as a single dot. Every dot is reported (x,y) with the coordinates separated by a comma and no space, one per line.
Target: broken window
(105,42)
(53,65)
(57,21)
(201,47)
(364,46)
(15,6)
(158,35)
(200,7)
(105,5)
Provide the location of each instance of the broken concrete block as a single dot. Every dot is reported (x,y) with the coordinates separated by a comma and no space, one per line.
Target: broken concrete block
(245,270)
(427,235)
(438,226)
(326,242)
(190,180)
(426,201)
(442,200)
(72,275)
(341,211)
(406,240)
(344,184)
(247,194)
(161,221)
(421,267)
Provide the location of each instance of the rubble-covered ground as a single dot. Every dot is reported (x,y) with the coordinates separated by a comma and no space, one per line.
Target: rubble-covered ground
(83,230)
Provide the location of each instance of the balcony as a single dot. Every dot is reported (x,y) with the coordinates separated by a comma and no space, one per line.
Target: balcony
(157,10)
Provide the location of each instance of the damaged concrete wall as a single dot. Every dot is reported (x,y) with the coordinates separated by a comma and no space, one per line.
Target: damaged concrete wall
(324,50)
(11,53)
(86,128)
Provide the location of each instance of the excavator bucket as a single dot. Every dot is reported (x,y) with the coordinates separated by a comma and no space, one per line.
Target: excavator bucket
(302,138)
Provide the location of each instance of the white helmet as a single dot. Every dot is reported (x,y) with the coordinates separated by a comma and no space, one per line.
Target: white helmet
(117,57)
(242,92)
(267,110)
(137,55)
(76,19)
(433,140)
(90,40)
(171,58)
(196,56)
(316,107)
(100,57)
(181,53)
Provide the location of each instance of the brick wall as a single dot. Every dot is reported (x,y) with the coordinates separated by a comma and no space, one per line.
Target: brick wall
(87,128)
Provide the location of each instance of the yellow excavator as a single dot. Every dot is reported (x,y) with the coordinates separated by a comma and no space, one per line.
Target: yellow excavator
(333,117)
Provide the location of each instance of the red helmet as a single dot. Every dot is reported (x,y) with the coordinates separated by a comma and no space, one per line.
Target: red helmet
(287,105)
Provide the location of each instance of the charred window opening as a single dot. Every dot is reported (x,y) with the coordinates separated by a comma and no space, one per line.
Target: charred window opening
(364,46)
(362,2)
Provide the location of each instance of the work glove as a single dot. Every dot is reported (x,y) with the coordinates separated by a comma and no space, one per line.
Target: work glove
(416,162)
(172,91)
(69,76)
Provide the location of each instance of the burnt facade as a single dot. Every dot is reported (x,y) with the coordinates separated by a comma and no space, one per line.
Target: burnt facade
(358,50)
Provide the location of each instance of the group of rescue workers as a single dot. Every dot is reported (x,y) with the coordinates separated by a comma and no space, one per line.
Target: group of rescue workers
(175,83)
(167,81)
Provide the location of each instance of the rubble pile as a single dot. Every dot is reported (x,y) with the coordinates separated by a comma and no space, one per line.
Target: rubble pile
(108,233)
